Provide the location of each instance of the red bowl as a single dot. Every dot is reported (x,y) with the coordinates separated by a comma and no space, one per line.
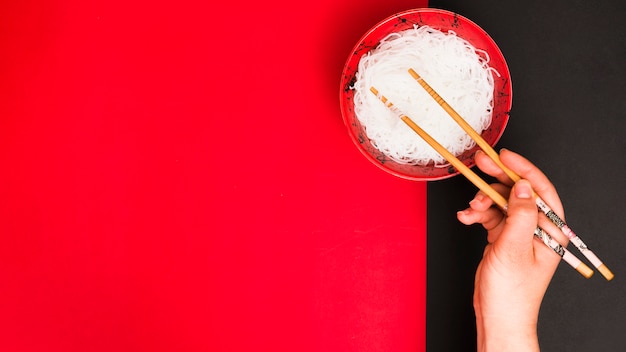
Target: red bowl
(443,21)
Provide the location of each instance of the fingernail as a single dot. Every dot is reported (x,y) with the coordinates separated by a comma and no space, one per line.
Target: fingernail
(462,212)
(478,198)
(523,189)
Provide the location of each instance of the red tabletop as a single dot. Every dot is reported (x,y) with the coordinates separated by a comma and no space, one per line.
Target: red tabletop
(177,177)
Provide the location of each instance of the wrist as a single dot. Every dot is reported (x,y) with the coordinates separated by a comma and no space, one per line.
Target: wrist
(504,335)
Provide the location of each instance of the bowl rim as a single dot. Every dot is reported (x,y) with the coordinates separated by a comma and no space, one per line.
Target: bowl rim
(497,52)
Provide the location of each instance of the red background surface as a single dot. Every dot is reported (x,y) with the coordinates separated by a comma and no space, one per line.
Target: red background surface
(177,177)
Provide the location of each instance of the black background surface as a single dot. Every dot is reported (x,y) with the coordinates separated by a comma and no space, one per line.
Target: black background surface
(567,61)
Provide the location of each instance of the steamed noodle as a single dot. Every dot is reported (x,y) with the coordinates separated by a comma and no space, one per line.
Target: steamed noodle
(453,67)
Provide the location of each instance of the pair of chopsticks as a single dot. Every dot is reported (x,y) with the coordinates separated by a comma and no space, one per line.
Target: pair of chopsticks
(566,255)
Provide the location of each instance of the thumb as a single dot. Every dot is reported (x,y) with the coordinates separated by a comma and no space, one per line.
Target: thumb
(516,239)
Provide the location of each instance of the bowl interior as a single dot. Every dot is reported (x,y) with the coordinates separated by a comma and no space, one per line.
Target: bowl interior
(443,21)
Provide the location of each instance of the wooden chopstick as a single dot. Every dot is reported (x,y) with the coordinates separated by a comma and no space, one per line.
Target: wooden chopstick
(541,204)
(486,188)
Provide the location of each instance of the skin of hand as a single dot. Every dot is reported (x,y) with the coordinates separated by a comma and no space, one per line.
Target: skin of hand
(516,268)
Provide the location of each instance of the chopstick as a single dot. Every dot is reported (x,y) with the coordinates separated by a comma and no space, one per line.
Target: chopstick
(541,204)
(571,259)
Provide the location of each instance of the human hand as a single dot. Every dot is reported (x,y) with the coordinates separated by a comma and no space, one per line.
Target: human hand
(516,269)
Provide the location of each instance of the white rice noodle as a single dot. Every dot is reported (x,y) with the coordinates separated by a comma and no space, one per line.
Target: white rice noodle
(452,66)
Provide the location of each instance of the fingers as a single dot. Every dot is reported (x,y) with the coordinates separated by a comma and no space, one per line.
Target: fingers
(490,219)
(539,181)
(488,166)
(516,240)
(526,170)
(554,231)
(481,201)
(513,235)
(482,211)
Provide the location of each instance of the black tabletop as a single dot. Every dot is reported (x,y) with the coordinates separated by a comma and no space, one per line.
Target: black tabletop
(569,117)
